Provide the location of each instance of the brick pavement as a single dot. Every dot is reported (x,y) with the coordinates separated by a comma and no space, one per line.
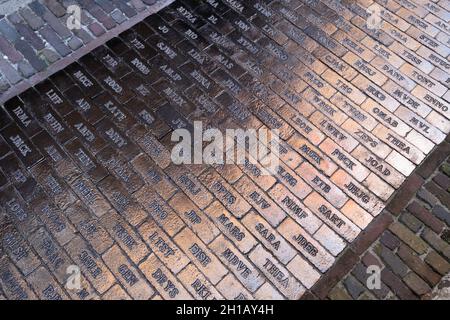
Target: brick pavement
(35,39)
(87,179)
(412,251)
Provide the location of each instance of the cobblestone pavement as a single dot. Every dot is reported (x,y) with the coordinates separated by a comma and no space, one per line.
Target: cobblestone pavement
(87,179)
(35,39)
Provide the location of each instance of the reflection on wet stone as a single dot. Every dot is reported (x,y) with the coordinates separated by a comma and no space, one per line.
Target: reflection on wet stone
(87,176)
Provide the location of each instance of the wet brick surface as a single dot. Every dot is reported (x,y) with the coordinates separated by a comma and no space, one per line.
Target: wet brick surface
(86,176)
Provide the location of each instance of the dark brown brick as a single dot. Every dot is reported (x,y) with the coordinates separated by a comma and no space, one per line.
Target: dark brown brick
(437,243)
(390,240)
(441,194)
(396,285)
(343,266)
(416,284)
(433,160)
(393,262)
(417,265)
(437,262)
(404,194)
(425,216)
(370,259)
(411,222)
(442,180)
(372,232)
(427,197)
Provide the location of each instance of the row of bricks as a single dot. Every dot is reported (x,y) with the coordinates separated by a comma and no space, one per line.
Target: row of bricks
(36,35)
(109,184)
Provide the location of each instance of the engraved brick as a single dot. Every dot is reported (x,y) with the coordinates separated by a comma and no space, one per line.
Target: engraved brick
(22,146)
(44,285)
(190,185)
(338,222)
(423,79)
(322,184)
(334,131)
(162,280)
(278,275)
(89,227)
(90,264)
(369,140)
(161,245)
(303,271)
(358,192)
(121,199)
(381,51)
(324,105)
(305,244)
(345,87)
(14,287)
(154,176)
(302,125)
(21,115)
(354,46)
(18,211)
(376,93)
(295,208)
(200,255)
(387,118)
(242,268)
(411,56)
(231,289)
(350,164)
(404,148)
(194,217)
(263,204)
(270,238)
(51,253)
(160,211)
(53,185)
(365,68)
(54,219)
(127,274)
(400,76)
(224,192)
(18,250)
(85,132)
(126,237)
(197,284)
(155,150)
(231,227)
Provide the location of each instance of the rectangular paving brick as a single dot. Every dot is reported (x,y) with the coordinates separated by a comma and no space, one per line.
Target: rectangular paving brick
(87,157)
